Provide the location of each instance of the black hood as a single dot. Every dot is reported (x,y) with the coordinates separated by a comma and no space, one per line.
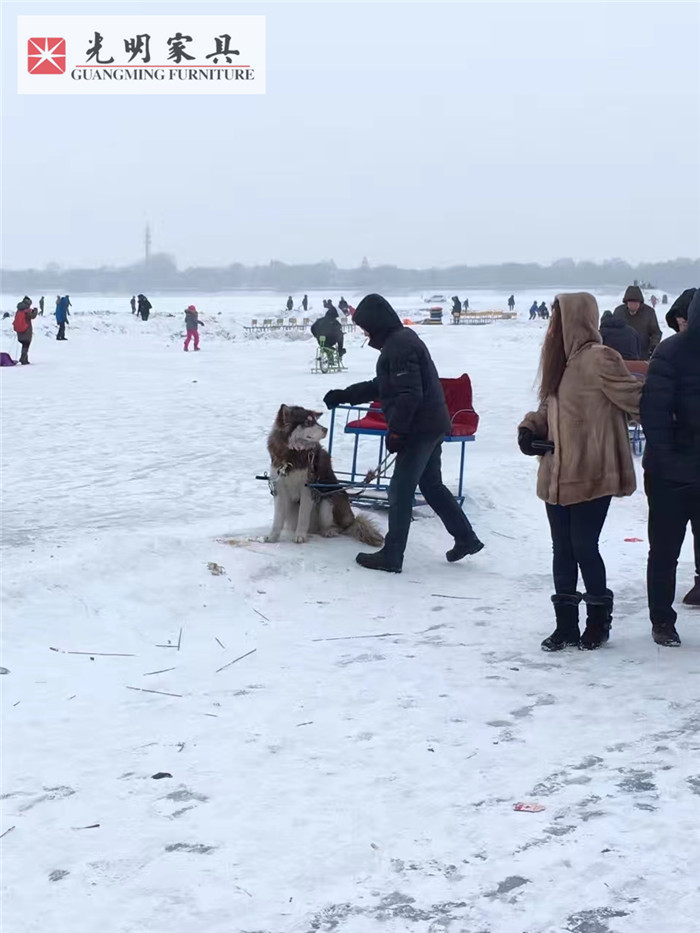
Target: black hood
(331,313)
(679,308)
(694,314)
(608,320)
(375,315)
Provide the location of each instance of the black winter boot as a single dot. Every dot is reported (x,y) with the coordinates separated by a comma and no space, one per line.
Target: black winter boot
(692,597)
(463,548)
(566,634)
(665,635)
(380,560)
(598,620)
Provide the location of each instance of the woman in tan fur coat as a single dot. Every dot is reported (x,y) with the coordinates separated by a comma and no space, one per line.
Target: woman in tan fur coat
(586,393)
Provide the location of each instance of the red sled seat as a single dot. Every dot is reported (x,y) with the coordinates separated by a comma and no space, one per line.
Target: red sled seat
(458,395)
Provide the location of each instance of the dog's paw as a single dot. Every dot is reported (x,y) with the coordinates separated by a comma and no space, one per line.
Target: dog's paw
(271,538)
(301,539)
(331,532)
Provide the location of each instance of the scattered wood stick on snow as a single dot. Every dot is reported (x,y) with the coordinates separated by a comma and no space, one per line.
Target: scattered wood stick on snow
(236,659)
(164,671)
(166,646)
(7,831)
(221,643)
(309,723)
(91,826)
(99,654)
(261,615)
(162,692)
(347,637)
(179,639)
(17,703)
(449,596)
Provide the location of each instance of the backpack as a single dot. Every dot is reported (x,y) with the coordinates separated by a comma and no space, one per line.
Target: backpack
(21,322)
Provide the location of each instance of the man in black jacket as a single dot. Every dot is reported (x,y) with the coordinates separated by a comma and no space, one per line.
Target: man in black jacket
(670,415)
(620,336)
(640,317)
(413,402)
(329,327)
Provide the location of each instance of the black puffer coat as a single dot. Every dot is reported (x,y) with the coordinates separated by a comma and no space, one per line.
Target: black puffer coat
(407,383)
(329,327)
(670,408)
(616,334)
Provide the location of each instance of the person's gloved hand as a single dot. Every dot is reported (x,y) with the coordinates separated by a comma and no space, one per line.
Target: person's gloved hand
(395,443)
(334,398)
(525,439)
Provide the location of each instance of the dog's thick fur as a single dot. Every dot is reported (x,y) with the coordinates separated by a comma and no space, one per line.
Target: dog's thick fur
(294,445)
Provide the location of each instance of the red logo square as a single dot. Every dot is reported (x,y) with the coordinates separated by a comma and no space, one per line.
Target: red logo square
(46,56)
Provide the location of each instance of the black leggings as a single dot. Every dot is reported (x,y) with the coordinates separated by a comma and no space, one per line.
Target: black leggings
(575,533)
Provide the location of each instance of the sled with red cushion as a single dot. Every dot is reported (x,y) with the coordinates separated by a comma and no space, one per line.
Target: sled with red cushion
(465,421)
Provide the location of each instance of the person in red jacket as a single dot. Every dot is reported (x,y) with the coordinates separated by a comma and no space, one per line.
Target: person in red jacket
(24,316)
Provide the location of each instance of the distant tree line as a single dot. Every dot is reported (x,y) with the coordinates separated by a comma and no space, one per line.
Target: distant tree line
(161,274)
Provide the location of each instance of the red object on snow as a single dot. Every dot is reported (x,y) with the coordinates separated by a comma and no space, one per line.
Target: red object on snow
(635,540)
(458,395)
(529,807)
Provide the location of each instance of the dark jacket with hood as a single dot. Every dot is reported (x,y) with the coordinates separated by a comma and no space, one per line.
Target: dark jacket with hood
(407,383)
(329,327)
(679,308)
(644,321)
(620,337)
(144,307)
(670,409)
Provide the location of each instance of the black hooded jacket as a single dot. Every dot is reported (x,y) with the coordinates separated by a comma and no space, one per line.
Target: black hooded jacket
(329,327)
(407,383)
(618,335)
(644,322)
(679,308)
(670,406)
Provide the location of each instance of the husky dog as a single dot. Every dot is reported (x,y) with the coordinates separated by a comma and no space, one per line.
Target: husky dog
(294,445)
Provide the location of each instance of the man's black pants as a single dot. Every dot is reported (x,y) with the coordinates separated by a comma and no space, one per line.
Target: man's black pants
(671,507)
(419,464)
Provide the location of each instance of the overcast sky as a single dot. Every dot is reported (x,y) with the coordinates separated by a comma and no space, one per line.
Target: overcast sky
(417,134)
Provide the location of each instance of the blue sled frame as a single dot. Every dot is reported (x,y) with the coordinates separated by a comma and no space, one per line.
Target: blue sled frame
(375,492)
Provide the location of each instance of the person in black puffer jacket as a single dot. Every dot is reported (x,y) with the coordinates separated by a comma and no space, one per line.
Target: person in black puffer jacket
(413,402)
(670,416)
(620,336)
(329,327)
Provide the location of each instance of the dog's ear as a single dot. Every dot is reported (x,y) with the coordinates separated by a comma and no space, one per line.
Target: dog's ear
(282,416)
(318,414)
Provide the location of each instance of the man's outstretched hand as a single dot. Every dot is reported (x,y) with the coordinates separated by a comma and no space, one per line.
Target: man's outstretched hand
(334,398)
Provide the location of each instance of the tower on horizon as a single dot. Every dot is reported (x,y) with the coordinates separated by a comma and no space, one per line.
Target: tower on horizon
(147,244)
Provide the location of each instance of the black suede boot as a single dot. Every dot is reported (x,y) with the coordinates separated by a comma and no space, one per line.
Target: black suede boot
(380,560)
(692,597)
(566,634)
(598,620)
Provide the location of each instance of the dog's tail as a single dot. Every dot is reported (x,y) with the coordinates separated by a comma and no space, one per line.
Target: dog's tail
(365,530)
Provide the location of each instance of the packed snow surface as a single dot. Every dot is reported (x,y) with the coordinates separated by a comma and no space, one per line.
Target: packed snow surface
(356,770)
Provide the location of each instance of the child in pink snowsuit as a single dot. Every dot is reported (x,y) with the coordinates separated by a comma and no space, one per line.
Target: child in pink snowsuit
(192,323)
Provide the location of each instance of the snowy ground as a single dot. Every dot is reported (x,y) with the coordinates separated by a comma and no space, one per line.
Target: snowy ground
(362,770)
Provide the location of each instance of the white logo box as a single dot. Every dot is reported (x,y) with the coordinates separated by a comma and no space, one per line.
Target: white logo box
(141,54)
